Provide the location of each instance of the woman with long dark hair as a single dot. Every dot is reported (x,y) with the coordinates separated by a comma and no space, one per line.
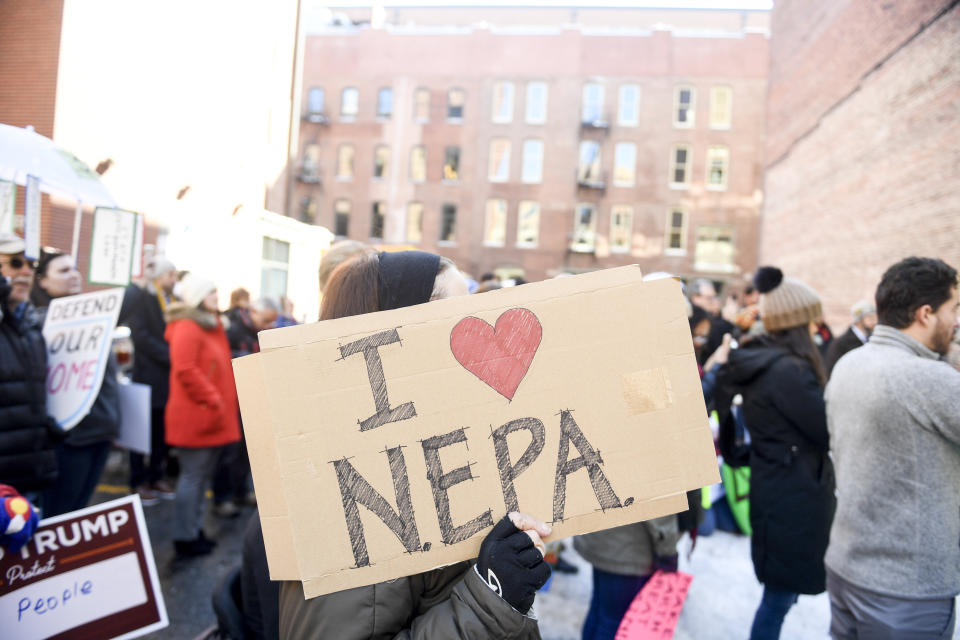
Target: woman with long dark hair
(781,379)
(489,600)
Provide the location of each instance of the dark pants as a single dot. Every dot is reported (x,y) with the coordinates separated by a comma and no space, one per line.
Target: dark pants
(79,472)
(147,472)
(859,614)
(773,609)
(231,479)
(612,595)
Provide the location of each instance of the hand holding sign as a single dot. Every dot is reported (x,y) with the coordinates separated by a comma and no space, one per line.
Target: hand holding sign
(511,561)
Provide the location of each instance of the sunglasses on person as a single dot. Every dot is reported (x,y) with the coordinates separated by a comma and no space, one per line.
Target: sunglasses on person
(17,262)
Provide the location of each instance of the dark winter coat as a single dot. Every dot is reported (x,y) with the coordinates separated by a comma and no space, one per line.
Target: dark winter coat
(151,357)
(840,347)
(241,333)
(792,483)
(631,549)
(449,603)
(202,410)
(27,458)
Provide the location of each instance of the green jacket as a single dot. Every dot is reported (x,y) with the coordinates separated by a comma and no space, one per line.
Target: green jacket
(629,550)
(447,603)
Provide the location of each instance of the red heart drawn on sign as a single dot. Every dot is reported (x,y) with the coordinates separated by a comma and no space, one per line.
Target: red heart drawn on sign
(500,355)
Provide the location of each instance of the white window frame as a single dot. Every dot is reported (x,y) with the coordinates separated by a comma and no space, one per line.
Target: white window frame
(387,161)
(633,165)
(419,236)
(502,112)
(587,88)
(444,177)
(349,116)
(691,111)
(583,247)
(634,119)
(720,151)
(380,93)
(717,267)
(383,223)
(721,125)
(448,243)
(463,104)
(310,101)
(413,151)
(491,207)
(682,249)
(416,95)
(522,243)
(687,166)
(353,162)
(629,227)
(536,115)
(275,265)
(530,174)
(347,213)
(583,169)
(494,172)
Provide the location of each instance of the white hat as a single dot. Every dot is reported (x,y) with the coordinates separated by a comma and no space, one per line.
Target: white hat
(10,244)
(193,289)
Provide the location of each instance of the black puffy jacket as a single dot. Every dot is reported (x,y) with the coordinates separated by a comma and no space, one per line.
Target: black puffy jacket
(151,354)
(27,458)
(791,483)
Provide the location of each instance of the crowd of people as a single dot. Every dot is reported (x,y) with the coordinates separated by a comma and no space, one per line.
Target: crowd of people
(850,446)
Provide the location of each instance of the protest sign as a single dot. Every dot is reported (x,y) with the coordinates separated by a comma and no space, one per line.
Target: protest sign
(387,444)
(85,575)
(8,205)
(31,219)
(134,417)
(112,247)
(78,331)
(654,613)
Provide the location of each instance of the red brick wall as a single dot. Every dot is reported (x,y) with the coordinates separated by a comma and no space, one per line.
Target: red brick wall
(876,179)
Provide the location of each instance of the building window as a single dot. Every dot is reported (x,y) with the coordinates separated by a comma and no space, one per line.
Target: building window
(349,103)
(714,248)
(629,112)
(310,172)
(721,107)
(680,167)
(499,160)
(315,101)
(621,228)
(385,103)
(536,102)
(381,161)
(588,172)
(414,222)
(421,105)
(451,164)
(625,164)
(308,209)
(418,164)
(345,162)
(592,104)
(532,162)
(683,107)
(718,159)
(584,228)
(378,213)
(528,223)
(341,218)
(676,240)
(502,102)
(455,101)
(274,267)
(495,224)
(448,223)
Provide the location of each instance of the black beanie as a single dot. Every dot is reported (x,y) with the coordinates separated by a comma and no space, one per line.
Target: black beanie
(406,278)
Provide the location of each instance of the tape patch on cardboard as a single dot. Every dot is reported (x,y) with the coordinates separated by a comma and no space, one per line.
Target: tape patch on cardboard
(647,390)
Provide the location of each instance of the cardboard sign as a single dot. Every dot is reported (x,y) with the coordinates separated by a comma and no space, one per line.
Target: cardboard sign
(31,219)
(112,247)
(8,206)
(388,444)
(78,331)
(85,575)
(654,613)
(134,417)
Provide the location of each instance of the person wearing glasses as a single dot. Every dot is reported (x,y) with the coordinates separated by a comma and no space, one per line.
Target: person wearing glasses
(27,434)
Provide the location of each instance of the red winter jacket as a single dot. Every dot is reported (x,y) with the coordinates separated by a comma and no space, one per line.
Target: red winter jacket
(202,410)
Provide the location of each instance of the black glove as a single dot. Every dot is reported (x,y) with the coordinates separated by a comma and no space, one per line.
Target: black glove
(667,564)
(511,565)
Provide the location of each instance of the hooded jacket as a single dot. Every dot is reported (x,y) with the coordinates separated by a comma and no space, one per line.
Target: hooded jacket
(202,410)
(630,550)
(27,433)
(792,483)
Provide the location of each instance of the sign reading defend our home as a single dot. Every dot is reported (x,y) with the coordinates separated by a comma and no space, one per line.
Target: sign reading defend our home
(388,444)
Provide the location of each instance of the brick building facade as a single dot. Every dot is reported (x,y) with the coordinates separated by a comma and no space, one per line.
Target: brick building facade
(538,150)
(862,154)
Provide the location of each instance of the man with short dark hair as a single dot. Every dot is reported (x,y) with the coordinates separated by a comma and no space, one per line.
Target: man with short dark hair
(893,411)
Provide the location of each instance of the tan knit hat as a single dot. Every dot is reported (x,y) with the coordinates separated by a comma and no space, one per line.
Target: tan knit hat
(786,302)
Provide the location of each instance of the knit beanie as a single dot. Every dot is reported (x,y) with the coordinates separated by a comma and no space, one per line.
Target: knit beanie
(193,289)
(785,302)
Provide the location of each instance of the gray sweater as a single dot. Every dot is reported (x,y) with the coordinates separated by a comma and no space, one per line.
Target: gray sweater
(893,411)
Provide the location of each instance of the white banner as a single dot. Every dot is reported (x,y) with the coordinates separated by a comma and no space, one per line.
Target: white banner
(112,247)
(8,206)
(78,331)
(31,219)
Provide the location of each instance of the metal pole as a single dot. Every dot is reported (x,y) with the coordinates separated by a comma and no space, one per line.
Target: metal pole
(77,218)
